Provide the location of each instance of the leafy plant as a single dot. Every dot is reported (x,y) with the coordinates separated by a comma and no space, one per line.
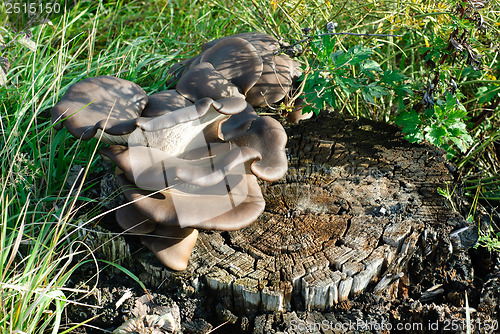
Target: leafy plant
(489,236)
(440,116)
(490,240)
(335,75)
(442,125)
(446,193)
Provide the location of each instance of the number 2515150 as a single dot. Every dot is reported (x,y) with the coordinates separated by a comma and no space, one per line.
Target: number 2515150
(32,8)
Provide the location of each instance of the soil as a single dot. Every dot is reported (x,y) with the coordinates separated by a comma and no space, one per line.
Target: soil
(368,182)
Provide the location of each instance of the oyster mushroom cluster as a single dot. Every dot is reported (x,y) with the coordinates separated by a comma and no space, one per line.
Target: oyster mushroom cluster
(188,158)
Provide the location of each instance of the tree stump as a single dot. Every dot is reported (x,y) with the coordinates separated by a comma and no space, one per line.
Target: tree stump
(346,219)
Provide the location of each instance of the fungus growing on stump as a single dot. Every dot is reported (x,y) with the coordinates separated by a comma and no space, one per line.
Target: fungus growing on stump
(188,158)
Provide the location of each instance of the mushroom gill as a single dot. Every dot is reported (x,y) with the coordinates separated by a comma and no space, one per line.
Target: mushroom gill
(188,158)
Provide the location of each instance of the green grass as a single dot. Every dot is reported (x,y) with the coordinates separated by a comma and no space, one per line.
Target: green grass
(40,219)
(40,215)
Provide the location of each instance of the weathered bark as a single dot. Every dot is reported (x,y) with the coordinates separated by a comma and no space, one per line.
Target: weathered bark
(344,220)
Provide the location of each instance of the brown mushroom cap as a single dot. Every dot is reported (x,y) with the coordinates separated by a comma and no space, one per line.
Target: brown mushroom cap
(163,102)
(250,61)
(296,114)
(258,40)
(202,81)
(278,73)
(190,63)
(237,60)
(267,136)
(202,107)
(251,37)
(146,202)
(172,245)
(237,124)
(132,221)
(210,150)
(175,72)
(153,169)
(244,213)
(207,207)
(274,84)
(89,103)
(212,170)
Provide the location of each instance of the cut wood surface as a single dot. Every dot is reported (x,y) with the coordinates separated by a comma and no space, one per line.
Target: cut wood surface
(344,220)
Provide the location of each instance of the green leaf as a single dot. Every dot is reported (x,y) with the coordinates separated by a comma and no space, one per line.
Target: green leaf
(339,59)
(402,91)
(451,101)
(435,135)
(431,112)
(462,146)
(454,107)
(390,77)
(415,137)
(370,65)
(347,84)
(359,53)
(486,94)
(353,56)
(308,109)
(329,97)
(328,44)
(372,92)
(450,151)
(443,192)
(410,122)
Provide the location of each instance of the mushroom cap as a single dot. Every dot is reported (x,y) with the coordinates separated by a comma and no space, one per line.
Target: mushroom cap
(164,102)
(251,62)
(278,71)
(211,149)
(202,81)
(191,62)
(237,124)
(297,114)
(175,72)
(263,43)
(107,103)
(146,202)
(153,169)
(202,107)
(132,221)
(172,245)
(178,69)
(252,38)
(268,137)
(274,84)
(237,60)
(213,207)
